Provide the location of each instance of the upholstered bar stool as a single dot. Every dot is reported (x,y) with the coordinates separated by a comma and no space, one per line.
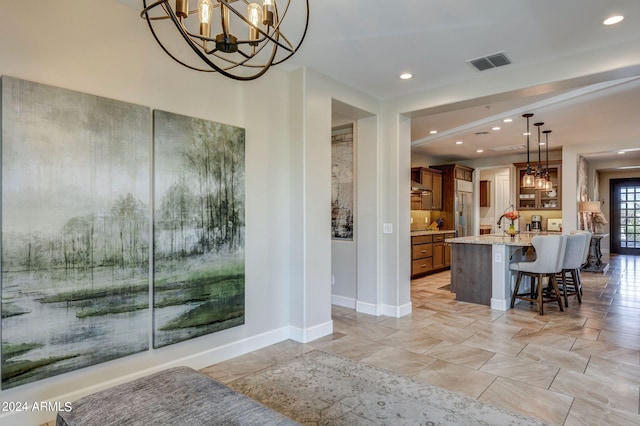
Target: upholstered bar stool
(585,255)
(568,279)
(550,250)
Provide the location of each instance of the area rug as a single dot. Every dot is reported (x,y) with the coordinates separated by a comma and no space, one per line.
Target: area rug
(319,388)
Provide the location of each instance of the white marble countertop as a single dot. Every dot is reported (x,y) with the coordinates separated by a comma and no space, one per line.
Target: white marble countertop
(523,239)
(420,233)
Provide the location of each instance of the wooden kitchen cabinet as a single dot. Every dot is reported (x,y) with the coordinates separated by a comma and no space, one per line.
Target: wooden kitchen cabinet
(421,255)
(534,199)
(430,253)
(431,180)
(485,195)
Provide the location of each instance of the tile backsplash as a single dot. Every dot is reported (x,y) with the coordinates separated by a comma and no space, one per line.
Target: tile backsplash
(421,219)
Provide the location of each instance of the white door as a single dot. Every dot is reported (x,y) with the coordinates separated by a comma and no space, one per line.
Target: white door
(503,201)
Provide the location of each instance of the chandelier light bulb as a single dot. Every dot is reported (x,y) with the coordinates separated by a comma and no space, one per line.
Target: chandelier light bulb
(267,12)
(254,12)
(205,11)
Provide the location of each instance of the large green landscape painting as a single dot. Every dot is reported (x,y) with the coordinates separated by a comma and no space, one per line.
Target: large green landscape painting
(199,169)
(75,230)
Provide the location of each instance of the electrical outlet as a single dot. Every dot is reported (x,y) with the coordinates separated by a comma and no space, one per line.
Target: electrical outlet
(426,219)
(333,280)
(412,221)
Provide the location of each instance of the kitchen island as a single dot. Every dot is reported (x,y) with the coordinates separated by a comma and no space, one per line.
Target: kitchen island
(480,267)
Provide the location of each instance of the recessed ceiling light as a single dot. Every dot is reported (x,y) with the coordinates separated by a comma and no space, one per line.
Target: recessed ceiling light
(433,132)
(526,134)
(620,152)
(612,20)
(508,120)
(458,142)
(480,150)
(495,128)
(406,75)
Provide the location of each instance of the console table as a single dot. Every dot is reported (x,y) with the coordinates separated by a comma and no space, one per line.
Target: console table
(594,260)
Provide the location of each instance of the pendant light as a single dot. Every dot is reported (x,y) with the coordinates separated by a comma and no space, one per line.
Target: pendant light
(528,178)
(548,184)
(539,181)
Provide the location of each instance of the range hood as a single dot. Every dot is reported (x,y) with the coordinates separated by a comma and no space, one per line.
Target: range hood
(417,187)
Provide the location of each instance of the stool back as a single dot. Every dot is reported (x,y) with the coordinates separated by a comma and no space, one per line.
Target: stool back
(574,251)
(550,250)
(587,243)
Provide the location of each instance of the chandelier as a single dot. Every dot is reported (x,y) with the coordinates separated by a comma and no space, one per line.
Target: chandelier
(249,39)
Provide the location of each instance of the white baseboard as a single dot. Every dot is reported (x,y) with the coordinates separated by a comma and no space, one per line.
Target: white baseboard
(500,304)
(345,302)
(311,334)
(388,310)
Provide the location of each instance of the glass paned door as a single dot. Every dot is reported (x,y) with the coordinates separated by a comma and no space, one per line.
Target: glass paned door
(625,215)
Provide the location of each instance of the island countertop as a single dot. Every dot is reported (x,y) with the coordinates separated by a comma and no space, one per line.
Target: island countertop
(421,233)
(523,239)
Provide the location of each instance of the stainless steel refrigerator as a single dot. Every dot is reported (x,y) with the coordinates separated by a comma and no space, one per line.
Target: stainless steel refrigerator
(463,209)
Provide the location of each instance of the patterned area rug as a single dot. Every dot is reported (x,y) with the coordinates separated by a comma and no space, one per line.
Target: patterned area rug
(324,389)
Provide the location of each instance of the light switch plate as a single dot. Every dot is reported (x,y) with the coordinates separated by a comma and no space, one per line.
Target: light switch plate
(387,228)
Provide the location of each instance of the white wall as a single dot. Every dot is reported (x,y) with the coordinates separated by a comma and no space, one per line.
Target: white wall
(311,239)
(103,48)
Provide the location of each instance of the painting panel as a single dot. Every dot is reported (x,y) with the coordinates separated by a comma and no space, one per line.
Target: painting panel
(199,192)
(75,230)
(342,183)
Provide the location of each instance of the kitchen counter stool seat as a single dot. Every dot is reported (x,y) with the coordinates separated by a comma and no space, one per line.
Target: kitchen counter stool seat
(550,251)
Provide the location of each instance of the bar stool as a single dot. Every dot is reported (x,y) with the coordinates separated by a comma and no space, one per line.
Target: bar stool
(574,257)
(550,250)
(585,255)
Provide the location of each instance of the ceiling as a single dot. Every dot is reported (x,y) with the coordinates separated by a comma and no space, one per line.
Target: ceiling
(366,44)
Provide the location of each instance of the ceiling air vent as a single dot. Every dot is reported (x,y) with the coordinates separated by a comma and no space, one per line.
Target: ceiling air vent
(491,61)
(509,148)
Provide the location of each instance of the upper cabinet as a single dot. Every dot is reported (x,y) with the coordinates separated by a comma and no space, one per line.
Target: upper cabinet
(485,194)
(535,199)
(431,180)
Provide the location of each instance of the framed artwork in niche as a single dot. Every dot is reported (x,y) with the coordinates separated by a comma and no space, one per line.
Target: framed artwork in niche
(342,182)
(75,230)
(199,225)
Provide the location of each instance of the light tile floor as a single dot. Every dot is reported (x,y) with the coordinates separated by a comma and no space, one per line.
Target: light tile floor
(578,367)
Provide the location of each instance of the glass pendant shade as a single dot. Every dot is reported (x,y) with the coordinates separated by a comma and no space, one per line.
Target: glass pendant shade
(548,185)
(528,181)
(540,182)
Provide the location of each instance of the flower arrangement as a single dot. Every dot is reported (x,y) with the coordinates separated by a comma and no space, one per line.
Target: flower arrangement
(512,215)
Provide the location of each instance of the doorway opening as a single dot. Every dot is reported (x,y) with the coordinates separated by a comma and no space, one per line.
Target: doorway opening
(625,216)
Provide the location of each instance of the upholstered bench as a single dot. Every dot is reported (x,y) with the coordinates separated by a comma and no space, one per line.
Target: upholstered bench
(177,396)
